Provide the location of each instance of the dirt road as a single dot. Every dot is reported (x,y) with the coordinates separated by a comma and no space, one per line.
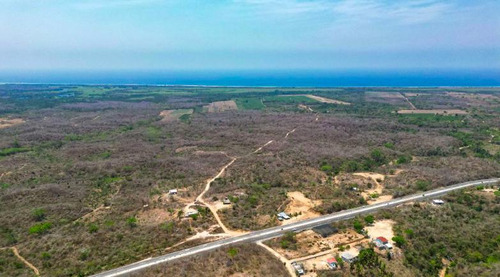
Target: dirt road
(28,264)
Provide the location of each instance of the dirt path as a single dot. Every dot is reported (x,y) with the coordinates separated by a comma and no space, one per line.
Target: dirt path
(287,134)
(260,148)
(409,103)
(98,209)
(16,252)
(284,260)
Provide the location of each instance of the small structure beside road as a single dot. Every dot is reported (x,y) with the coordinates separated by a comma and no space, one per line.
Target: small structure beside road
(349,257)
(172,192)
(325,230)
(226,201)
(437,202)
(332,263)
(283,216)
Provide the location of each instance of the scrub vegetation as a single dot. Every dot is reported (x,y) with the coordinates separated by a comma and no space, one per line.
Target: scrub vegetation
(85,178)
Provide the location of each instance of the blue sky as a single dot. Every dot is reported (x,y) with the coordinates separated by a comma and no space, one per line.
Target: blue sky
(248,34)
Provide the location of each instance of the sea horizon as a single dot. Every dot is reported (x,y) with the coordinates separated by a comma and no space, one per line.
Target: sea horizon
(260,78)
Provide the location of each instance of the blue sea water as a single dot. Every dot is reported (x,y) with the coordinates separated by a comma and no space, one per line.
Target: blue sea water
(278,78)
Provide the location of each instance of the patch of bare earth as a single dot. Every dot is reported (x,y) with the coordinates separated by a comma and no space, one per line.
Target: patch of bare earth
(301,207)
(154,216)
(437,111)
(309,243)
(326,100)
(173,115)
(381,228)
(185,149)
(9,122)
(221,106)
(377,190)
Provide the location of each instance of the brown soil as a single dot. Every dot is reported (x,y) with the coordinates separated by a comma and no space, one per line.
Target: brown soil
(185,149)
(9,122)
(437,111)
(310,243)
(301,205)
(221,106)
(381,228)
(155,216)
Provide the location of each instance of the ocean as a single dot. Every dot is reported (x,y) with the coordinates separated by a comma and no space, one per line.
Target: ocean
(272,78)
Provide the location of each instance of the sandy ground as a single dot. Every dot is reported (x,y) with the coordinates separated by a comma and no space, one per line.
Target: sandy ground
(302,205)
(437,111)
(381,228)
(310,244)
(220,106)
(326,100)
(377,189)
(173,115)
(304,107)
(446,263)
(9,122)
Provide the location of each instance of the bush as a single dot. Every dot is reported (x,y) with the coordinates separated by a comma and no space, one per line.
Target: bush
(40,228)
(132,221)
(93,228)
(39,214)
(358,226)
(399,240)
(370,219)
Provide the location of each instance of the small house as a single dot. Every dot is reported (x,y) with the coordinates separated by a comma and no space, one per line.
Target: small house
(379,244)
(283,216)
(332,263)
(437,202)
(226,201)
(382,240)
(348,257)
(172,192)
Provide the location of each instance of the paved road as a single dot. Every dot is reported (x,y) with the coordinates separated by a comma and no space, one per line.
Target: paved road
(280,230)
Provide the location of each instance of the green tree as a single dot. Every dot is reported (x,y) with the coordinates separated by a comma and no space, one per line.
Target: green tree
(358,226)
(369,219)
(399,240)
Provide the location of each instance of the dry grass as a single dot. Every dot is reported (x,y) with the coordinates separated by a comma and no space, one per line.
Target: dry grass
(9,122)
(174,115)
(436,111)
(221,106)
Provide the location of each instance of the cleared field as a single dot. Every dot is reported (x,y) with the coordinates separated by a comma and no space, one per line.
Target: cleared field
(221,106)
(250,103)
(326,100)
(9,122)
(174,115)
(437,111)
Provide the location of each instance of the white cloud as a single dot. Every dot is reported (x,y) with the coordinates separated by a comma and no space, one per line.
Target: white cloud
(408,12)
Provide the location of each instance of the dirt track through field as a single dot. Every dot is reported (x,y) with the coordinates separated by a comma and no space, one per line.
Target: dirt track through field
(28,264)
(409,103)
(287,262)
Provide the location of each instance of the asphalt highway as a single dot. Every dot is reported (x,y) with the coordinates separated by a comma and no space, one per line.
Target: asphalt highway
(295,227)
